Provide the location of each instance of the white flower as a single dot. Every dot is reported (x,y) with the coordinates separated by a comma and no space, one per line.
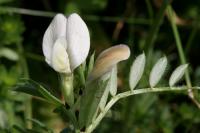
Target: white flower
(66,43)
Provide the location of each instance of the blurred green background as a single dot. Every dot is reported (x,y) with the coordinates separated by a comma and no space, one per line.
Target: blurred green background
(143,25)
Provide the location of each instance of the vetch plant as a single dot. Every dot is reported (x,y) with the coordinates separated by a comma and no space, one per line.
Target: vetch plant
(66,44)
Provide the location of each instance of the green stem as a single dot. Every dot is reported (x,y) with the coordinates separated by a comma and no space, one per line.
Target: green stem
(81,74)
(149,8)
(6,9)
(34,56)
(191,37)
(178,43)
(67,88)
(181,54)
(149,43)
(10,114)
(131,93)
(28,101)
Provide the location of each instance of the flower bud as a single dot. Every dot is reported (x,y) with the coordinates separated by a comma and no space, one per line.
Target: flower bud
(108,59)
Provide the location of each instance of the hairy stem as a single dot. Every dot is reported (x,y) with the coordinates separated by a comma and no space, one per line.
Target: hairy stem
(181,53)
(131,93)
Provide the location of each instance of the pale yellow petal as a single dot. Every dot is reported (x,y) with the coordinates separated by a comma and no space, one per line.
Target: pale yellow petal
(108,59)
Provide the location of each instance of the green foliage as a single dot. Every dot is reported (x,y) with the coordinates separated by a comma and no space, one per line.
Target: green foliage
(33,88)
(11,29)
(87,5)
(137,70)
(157,71)
(9,54)
(143,25)
(8,77)
(90,101)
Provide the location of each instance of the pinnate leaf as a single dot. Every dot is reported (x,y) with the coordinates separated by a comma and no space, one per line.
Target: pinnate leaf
(33,88)
(157,71)
(137,70)
(177,74)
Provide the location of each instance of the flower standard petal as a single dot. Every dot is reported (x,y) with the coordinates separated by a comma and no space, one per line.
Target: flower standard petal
(56,29)
(59,59)
(108,59)
(78,40)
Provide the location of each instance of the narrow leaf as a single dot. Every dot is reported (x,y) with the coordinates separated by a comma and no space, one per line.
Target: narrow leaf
(41,125)
(33,88)
(9,54)
(91,63)
(111,87)
(104,98)
(90,101)
(177,74)
(67,114)
(137,70)
(113,81)
(157,71)
(26,87)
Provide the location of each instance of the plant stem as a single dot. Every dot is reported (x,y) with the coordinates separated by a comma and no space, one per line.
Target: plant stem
(6,9)
(67,88)
(178,43)
(181,53)
(131,93)
(10,114)
(149,43)
(191,37)
(81,75)
(34,56)
(149,8)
